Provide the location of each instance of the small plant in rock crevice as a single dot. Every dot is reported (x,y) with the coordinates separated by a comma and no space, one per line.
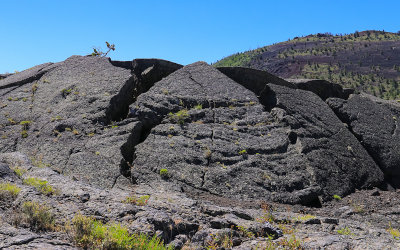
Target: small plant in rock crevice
(179,117)
(304,217)
(394,232)
(220,241)
(345,231)
(245,232)
(11,121)
(358,208)
(57,118)
(198,107)
(141,201)
(164,173)
(24,133)
(285,243)
(337,197)
(242,152)
(66,92)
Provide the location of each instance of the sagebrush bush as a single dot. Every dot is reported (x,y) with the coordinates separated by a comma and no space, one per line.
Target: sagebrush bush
(37,216)
(8,190)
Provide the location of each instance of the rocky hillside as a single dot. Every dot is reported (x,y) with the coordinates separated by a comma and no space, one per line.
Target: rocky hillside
(367,61)
(195,157)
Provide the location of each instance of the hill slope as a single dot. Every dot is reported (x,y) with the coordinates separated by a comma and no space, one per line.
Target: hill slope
(367,61)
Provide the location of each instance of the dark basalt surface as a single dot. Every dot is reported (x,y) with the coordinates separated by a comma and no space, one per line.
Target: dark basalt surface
(229,140)
(73,110)
(233,147)
(375,123)
(322,88)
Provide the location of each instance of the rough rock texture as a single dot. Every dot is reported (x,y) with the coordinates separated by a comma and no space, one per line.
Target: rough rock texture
(322,88)
(336,160)
(197,223)
(232,146)
(228,156)
(375,123)
(2,76)
(169,213)
(73,108)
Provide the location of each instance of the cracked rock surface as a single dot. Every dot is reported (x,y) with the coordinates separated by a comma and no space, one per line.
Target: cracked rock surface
(70,108)
(375,123)
(218,151)
(229,144)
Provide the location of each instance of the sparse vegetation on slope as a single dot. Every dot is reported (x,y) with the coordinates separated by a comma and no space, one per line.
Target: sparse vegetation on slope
(38,217)
(92,234)
(40,185)
(366,61)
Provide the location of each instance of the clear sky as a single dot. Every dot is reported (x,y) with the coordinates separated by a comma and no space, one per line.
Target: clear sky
(184,31)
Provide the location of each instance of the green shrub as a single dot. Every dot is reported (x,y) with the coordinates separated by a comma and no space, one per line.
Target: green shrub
(19,171)
(90,233)
(66,92)
(394,232)
(179,117)
(24,133)
(220,241)
(40,185)
(11,120)
(141,201)
(242,152)
(38,216)
(198,107)
(345,231)
(337,197)
(8,189)
(285,243)
(305,217)
(25,124)
(164,173)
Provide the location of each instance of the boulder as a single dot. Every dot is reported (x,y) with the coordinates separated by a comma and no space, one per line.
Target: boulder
(70,115)
(205,131)
(375,123)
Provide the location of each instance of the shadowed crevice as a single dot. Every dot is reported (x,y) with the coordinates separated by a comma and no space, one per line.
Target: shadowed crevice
(145,73)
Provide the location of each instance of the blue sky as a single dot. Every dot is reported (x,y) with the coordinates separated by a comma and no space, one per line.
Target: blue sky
(38,31)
